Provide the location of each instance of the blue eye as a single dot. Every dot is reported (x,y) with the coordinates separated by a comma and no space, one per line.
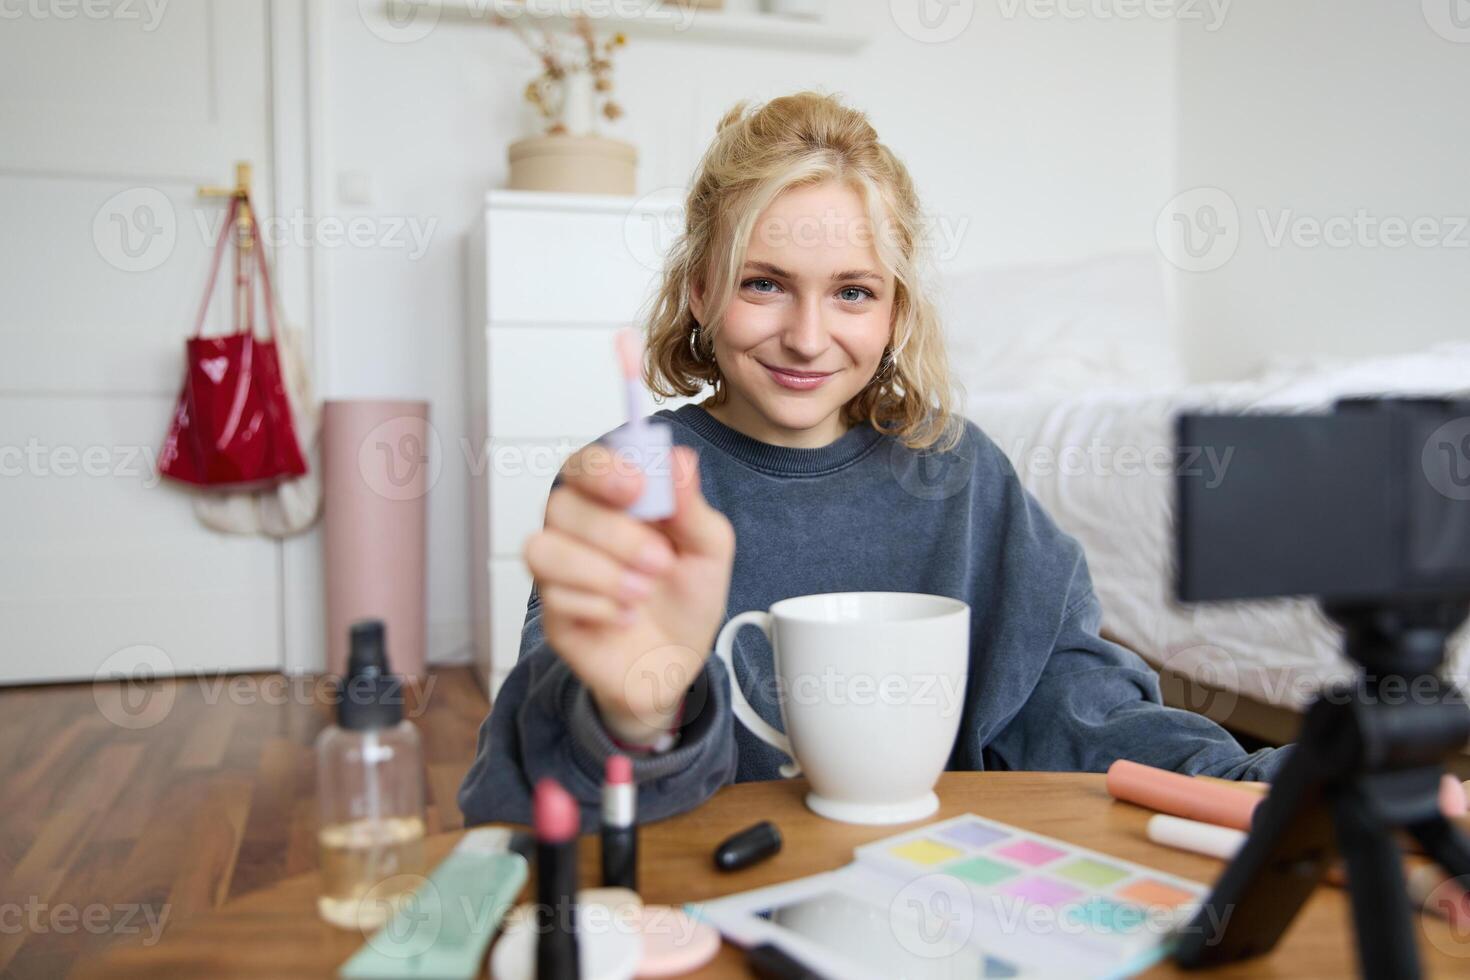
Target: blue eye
(751,284)
(862,294)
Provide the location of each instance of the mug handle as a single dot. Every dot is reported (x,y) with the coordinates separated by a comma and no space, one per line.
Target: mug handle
(743,711)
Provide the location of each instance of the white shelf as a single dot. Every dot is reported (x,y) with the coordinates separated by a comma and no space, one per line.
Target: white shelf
(666,21)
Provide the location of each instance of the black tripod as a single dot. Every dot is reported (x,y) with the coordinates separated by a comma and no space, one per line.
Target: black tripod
(1369,762)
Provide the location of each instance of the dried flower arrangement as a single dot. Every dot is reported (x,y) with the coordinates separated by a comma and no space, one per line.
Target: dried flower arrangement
(548,91)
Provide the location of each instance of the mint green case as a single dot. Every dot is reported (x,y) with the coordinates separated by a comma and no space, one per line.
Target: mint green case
(443,929)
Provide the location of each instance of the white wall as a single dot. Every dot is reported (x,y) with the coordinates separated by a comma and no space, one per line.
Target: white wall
(1310,110)
(1031,136)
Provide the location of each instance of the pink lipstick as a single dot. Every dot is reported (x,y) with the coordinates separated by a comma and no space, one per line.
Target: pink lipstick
(556,822)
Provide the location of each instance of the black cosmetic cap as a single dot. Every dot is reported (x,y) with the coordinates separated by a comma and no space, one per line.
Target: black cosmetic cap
(367,647)
(748,847)
(370,696)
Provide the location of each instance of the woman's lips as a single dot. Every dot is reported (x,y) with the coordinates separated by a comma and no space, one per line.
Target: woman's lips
(796,380)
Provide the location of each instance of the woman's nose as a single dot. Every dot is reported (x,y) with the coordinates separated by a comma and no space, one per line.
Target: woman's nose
(806,334)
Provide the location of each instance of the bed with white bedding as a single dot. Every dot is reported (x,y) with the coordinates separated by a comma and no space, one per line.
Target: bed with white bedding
(1073,373)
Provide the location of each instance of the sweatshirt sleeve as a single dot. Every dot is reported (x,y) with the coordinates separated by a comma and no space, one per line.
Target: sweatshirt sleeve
(1088,702)
(544,723)
(1096,702)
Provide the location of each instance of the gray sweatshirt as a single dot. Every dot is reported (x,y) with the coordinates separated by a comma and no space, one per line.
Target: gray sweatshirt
(866,513)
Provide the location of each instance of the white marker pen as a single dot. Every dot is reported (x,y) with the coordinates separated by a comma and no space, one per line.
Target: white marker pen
(1193,835)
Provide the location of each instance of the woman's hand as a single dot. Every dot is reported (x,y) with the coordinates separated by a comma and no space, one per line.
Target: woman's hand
(632,607)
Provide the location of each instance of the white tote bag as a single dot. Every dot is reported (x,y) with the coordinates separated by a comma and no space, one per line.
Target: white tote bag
(291,506)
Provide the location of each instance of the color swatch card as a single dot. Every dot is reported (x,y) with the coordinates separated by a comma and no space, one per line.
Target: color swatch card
(968,897)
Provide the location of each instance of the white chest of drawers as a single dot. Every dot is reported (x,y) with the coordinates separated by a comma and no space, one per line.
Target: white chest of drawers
(552,277)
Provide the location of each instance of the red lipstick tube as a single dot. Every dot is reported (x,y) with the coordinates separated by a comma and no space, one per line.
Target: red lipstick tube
(620,825)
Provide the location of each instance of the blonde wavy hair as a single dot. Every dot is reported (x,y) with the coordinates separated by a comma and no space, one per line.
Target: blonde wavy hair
(757,153)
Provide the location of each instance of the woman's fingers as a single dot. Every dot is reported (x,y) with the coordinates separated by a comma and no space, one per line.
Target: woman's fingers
(696,527)
(628,541)
(557,559)
(585,607)
(596,473)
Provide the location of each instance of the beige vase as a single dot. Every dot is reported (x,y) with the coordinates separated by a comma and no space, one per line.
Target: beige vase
(573,164)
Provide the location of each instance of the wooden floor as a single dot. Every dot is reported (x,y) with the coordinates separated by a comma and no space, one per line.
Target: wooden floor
(127,808)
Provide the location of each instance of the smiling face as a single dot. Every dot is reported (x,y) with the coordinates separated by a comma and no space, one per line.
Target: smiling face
(807,324)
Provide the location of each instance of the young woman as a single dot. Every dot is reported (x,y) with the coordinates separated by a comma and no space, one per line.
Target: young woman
(827,459)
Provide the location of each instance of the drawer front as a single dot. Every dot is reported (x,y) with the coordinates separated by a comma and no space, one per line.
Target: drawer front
(520,474)
(574,267)
(551,382)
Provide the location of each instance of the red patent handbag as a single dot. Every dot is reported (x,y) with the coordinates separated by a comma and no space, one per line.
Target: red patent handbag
(232,424)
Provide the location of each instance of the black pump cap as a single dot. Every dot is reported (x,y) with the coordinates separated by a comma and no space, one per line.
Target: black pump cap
(371,697)
(367,647)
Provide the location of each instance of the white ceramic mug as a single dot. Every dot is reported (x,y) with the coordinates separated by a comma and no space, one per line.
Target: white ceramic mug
(871,687)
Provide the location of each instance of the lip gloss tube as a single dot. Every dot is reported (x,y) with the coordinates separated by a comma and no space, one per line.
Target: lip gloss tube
(619,825)
(556,823)
(644,445)
(649,448)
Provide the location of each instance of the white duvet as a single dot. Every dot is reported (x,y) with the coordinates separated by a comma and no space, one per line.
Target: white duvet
(1102,463)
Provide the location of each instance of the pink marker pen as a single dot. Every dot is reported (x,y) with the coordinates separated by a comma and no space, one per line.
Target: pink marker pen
(646,445)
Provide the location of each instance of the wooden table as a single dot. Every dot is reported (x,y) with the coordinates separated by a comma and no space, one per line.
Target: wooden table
(275,932)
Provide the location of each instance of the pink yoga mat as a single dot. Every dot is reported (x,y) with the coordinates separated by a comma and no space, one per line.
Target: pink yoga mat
(376,475)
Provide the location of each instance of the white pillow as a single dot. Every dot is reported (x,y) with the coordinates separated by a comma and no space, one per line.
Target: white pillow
(1098,323)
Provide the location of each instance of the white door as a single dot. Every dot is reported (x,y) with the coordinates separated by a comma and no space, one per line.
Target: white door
(110,115)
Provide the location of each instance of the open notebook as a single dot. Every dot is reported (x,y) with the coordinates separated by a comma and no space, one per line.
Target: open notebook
(968,897)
